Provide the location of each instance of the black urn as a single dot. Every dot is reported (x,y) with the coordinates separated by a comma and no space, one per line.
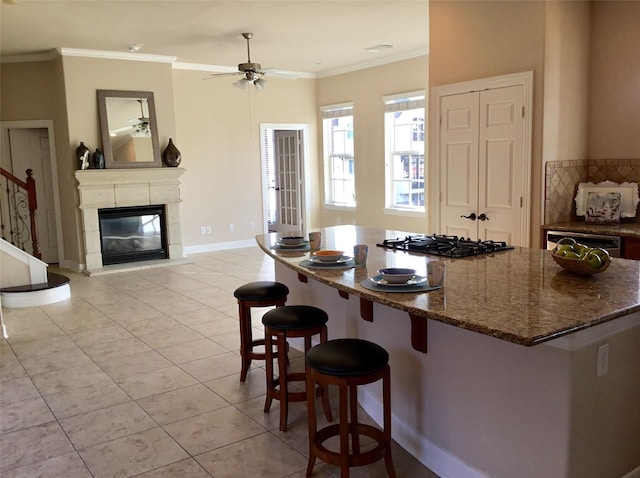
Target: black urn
(82,155)
(171,155)
(98,159)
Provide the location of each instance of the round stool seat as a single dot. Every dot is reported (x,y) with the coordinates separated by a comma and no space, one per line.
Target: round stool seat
(347,357)
(295,317)
(261,290)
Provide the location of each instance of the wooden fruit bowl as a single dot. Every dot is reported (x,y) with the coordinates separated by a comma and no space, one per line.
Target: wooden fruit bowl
(579,266)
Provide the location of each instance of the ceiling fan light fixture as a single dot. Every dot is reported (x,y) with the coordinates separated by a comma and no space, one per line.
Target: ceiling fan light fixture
(241,84)
(260,84)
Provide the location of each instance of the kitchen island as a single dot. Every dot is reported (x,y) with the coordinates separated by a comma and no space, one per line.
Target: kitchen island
(495,374)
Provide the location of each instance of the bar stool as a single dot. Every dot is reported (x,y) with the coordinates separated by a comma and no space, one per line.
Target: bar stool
(255,294)
(291,321)
(348,363)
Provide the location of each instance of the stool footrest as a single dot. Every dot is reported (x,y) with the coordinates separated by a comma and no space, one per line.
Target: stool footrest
(356,458)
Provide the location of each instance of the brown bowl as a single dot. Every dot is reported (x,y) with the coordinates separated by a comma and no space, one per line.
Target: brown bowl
(328,255)
(578,266)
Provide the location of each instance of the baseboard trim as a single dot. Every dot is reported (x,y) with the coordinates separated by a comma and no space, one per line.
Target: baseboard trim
(219,246)
(436,459)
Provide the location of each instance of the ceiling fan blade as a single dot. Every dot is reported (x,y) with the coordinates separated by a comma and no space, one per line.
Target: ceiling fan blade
(220,75)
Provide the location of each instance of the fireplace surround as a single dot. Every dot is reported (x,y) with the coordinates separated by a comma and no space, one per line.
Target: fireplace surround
(120,188)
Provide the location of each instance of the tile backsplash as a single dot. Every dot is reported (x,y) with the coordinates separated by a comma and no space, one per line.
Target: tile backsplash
(562,179)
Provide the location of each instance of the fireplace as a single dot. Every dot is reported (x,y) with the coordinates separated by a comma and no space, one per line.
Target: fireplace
(122,189)
(132,234)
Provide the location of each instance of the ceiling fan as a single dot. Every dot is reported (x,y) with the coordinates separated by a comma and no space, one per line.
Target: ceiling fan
(137,127)
(141,123)
(251,72)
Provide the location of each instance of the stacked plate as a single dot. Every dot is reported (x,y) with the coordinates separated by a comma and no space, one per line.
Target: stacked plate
(328,259)
(396,279)
(292,242)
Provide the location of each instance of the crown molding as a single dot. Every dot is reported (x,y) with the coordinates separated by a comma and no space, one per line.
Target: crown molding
(32,57)
(115,55)
(376,62)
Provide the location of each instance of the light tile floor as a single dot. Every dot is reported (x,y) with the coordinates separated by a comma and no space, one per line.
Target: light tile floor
(138,375)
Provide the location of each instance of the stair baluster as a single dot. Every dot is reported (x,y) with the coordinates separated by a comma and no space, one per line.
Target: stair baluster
(20,197)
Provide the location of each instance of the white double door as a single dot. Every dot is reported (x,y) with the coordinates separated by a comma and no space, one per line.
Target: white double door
(481,161)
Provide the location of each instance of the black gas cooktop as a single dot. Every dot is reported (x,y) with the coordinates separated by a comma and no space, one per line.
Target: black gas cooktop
(440,245)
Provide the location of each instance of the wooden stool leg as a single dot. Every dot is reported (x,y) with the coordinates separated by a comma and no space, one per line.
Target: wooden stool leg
(344,428)
(355,436)
(386,405)
(246,339)
(268,350)
(324,390)
(311,418)
(282,380)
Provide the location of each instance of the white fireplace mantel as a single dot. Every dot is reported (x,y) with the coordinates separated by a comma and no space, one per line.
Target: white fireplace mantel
(112,188)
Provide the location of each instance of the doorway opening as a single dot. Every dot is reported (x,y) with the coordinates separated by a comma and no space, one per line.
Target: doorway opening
(284,151)
(31,145)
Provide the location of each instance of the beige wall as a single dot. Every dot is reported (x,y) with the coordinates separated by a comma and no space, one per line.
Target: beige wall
(614,113)
(218,135)
(566,80)
(470,40)
(35,91)
(365,88)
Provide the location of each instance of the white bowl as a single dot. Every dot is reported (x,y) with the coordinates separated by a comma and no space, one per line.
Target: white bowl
(292,240)
(328,256)
(397,275)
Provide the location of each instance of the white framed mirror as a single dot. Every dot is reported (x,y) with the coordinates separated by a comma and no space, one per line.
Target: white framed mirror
(129,130)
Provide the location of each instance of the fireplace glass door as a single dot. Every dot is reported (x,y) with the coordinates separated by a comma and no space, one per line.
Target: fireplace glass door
(131,234)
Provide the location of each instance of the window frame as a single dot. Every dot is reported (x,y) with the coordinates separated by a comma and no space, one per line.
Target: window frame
(397,103)
(330,113)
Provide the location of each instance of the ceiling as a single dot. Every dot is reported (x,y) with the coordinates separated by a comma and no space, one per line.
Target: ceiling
(317,37)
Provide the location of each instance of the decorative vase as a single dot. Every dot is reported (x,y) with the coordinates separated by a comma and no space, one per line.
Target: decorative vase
(98,159)
(171,155)
(82,154)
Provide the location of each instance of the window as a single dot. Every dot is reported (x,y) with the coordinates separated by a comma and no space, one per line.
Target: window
(405,146)
(338,155)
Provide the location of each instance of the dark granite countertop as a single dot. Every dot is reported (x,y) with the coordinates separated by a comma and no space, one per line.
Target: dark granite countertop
(629,229)
(520,296)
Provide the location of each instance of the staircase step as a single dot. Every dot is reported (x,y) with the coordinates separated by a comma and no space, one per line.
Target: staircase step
(53,280)
(55,289)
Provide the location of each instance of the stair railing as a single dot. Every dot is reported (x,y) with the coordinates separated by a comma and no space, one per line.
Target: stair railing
(18,212)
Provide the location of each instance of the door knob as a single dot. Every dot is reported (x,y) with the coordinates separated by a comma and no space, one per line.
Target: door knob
(471,216)
(483,217)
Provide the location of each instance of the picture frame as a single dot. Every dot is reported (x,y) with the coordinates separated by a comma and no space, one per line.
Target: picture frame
(603,208)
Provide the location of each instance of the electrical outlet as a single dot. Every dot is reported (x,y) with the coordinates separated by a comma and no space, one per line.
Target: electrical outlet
(231,227)
(203,229)
(208,229)
(337,221)
(602,365)
(252,225)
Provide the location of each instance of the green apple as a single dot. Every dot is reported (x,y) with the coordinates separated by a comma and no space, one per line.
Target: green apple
(562,249)
(580,249)
(571,255)
(594,260)
(602,254)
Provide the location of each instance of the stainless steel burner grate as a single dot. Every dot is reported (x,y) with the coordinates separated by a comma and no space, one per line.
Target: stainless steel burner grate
(442,245)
